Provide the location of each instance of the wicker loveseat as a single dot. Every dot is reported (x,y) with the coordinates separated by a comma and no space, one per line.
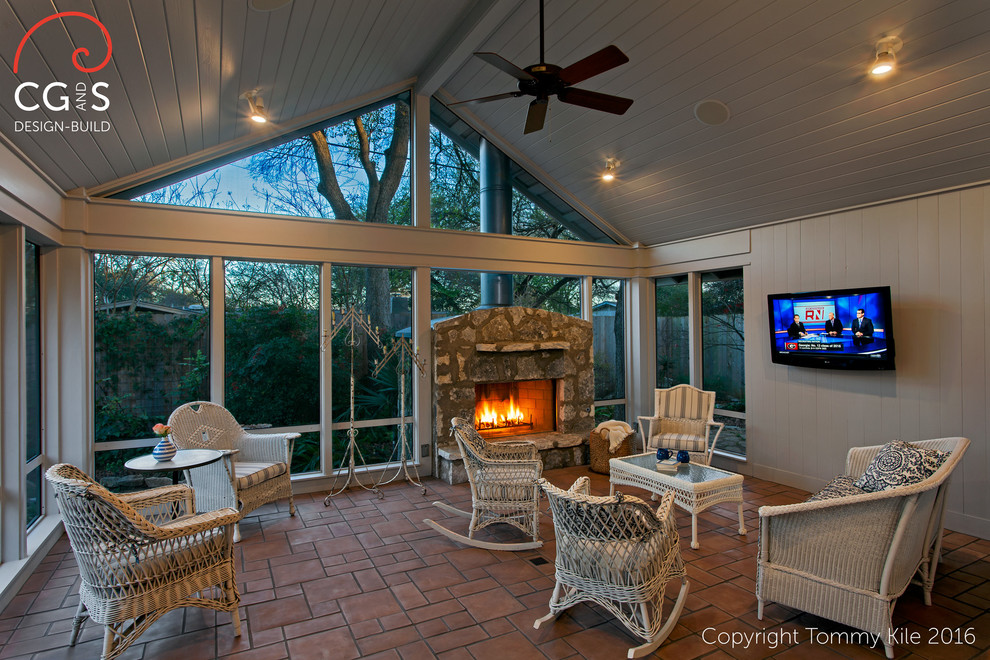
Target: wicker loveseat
(849,558)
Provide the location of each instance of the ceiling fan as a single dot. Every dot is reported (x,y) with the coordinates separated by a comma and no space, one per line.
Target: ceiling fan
(545,80)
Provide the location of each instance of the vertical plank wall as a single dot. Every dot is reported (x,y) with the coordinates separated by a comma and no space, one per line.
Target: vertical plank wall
(934,253)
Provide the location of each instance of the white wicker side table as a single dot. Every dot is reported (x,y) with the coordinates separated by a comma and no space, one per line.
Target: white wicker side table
(695,487)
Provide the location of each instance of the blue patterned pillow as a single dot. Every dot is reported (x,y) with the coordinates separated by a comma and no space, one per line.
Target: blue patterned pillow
(841,486)
(900,464)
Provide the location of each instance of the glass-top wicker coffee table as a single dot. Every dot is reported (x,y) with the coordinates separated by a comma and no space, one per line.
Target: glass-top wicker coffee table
(695,487)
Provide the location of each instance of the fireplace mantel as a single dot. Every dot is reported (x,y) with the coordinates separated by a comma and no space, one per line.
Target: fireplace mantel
(522,346)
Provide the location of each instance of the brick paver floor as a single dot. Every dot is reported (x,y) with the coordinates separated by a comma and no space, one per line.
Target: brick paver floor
(366,578)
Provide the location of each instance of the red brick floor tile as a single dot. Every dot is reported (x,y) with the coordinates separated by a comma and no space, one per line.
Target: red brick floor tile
(331,645)
(491,604)
(512,645)
(369,606)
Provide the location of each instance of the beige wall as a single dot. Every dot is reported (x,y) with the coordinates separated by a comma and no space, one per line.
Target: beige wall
(934,253)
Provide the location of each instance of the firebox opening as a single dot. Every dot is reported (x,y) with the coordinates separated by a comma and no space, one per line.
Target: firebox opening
(515,408)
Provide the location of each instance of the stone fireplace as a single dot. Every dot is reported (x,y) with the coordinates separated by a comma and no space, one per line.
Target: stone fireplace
(518,373)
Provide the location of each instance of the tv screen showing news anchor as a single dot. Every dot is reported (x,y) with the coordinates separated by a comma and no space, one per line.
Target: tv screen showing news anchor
(850,325)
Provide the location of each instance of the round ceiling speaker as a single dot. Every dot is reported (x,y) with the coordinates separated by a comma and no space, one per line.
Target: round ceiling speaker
(711,112)
(268,5)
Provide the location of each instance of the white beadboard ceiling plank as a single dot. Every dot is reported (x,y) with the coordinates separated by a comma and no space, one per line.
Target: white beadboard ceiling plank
(249,78)
(367,67)
(209,35)
(180,24)
(328,58)
(313,51)
(132,98)
(275,48)
(303,14)
(357,30)
(232,109)
(150,20)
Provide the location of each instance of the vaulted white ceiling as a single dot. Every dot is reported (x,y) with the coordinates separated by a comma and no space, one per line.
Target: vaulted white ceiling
(809,131)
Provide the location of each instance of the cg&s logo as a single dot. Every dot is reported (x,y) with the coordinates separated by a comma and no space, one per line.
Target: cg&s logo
(56,96)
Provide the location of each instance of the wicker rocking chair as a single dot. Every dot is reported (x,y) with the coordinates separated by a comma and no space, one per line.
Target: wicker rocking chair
(504,478)
(261,461)
(134,567)
(619,553)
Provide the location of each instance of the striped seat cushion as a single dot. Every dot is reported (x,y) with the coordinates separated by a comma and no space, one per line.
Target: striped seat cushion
(680,441)
(252,474)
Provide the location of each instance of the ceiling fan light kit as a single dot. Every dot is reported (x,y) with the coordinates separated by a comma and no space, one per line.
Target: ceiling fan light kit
(544,80)
(886,59)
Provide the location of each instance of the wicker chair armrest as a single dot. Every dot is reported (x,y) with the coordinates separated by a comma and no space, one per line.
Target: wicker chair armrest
(581,486)
(159,505)
(845,540)
(266,447)
(708,429)
(196,524)
(161,495)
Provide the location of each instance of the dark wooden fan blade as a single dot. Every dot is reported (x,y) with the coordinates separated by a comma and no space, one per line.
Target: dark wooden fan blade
(503,64)
(494,97)
(600,62)
(536,116)
(595,100)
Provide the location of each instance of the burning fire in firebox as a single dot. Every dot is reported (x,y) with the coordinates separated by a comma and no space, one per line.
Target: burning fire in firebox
(490,418)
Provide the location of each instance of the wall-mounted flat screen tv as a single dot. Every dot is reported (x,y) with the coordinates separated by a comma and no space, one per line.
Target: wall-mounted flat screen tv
(837,329)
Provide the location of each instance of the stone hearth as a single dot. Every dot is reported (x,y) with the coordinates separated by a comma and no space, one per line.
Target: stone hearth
(513,344)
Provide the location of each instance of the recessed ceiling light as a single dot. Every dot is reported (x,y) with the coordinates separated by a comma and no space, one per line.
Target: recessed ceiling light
(711,112)
(268,5)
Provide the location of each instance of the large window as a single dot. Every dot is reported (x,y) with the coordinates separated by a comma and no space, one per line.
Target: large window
(354,167)
(723,354)
(608,318)
(32,336)
(272,351)
(151,343)
(383,298)
(673,332)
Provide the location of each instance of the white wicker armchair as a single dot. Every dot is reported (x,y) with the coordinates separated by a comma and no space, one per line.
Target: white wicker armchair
(261,461)
(619,553)
(683,417)
(135,567)
(504,478)
(848,559)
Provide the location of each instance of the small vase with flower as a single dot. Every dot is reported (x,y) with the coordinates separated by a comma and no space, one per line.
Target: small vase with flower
(165,449)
